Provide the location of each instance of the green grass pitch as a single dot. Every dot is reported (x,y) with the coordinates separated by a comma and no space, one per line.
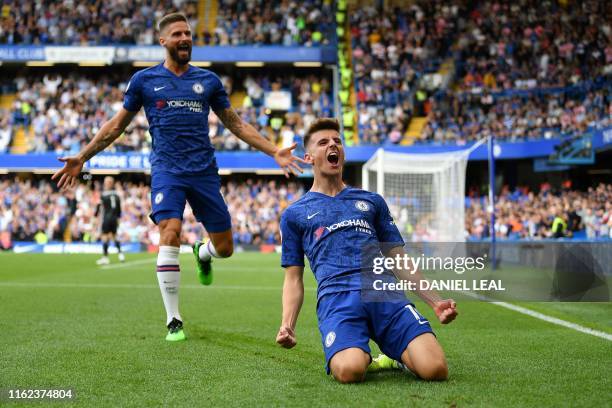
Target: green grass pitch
(67,323)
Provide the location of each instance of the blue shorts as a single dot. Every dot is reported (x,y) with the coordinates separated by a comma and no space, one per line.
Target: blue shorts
(346,321)
(169,192)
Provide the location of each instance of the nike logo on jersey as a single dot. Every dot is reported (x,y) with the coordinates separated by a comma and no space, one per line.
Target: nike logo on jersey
(159,88)
(312,215)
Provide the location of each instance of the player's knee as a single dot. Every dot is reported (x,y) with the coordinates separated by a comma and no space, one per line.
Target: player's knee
(225,249)
(349,372)
(435,370)
(169,236)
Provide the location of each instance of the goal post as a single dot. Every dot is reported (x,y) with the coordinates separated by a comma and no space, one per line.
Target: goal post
(425,192)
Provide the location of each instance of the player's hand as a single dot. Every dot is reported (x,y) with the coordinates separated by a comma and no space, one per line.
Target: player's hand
(288,162)
(286,337)
(68,176)
(446,310)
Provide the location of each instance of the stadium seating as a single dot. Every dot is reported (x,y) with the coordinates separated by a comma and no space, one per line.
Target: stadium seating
(436,72)
(61,112)
(265,22)
(30,207)
(82,22)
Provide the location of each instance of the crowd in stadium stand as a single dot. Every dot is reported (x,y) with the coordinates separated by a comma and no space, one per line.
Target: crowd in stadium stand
(84,22)
(391,51)
(310,98)
(527,44)
(522,70)
(545,214)
(64,112)
(463,117)
(277,22)
(497,48)
(35,210)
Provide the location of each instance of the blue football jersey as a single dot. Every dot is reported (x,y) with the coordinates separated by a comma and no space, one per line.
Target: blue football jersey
(332,232)
(177,109)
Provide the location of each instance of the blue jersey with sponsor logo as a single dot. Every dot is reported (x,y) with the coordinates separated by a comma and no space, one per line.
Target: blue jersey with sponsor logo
(332,232)
(177,109)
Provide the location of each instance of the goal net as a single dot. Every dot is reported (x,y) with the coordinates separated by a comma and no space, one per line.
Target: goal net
(425,192)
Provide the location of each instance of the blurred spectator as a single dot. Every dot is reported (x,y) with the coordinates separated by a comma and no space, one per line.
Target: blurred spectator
(525,214)
(84,22)
(534,44)
(496,49)
(28,208)
(65,112)
(461,117)
(35,211)
(391,51)
(6,131)
(277,22)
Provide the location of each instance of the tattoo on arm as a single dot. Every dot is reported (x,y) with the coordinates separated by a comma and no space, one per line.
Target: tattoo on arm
(107,135)
(231,120)
(98,146)
(245,131)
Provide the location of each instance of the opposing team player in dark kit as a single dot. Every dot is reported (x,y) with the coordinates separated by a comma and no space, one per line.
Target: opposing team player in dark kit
(110,210)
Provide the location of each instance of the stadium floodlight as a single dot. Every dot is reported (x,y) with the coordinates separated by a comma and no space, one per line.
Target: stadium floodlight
(110,172)
(144,63)
(249,64)
(425,192)
(43,171)
(39,64)
(269,172)
(307,64)
(201,63)
(92,64)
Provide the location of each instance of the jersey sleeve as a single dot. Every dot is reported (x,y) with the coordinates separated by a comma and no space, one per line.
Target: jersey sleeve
(218,98)
(132,98)
(291,239)
(386,230)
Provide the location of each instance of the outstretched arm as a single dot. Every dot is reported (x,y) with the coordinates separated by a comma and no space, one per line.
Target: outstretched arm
(250,135)
(293,297)
(68,175)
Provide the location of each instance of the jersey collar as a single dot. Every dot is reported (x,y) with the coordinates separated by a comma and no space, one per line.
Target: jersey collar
(342,192)
(173,74)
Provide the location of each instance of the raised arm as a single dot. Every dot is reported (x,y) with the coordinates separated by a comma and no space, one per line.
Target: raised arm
(293,297)
(68,175)
(250,135)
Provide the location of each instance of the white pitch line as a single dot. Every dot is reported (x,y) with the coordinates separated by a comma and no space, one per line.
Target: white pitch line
(137,286)
(554,320)
(128,264)
(506,305)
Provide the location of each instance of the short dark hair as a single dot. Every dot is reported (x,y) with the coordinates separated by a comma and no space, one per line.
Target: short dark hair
(169,19)
(321,124)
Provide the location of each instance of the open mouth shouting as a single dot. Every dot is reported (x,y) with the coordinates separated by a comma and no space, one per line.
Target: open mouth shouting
(184,47)
(333,158)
